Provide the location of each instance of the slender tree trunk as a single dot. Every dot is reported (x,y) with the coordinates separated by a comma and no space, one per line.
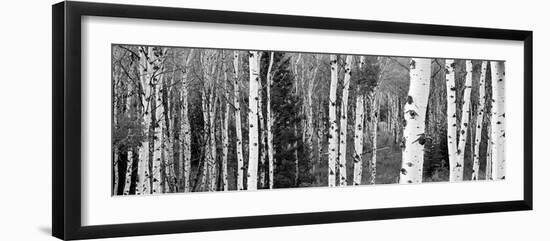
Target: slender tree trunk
(414,113)
(457,172)
(359,128)
(170,137)
(452,144)
(207,152)
(344,123)
(320,135)
(212,171)
(185,133)
(163,161)
(145,155)
(270,153)
(128,177)
(263,136)
(374,134)
(157,134)
(253,151)
(498,121)
(225,132)
(114,151)
(489,157)
(236,103)
(185,128)
(358,140)
(212,107)
(333,134)
(479,120)
(166,159)
(206,128)
(145,102)
(209,105)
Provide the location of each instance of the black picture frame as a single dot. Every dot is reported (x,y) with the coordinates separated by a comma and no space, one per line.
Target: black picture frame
(66,127)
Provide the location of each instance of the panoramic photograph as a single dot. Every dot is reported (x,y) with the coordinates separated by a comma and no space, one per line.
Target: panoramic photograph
(189,119)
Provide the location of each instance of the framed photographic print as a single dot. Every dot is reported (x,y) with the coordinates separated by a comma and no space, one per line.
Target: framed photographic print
(172,120)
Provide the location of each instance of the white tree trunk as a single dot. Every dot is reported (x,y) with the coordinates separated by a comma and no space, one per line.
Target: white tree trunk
(479,120)
(263,135)
(145,79)
(212,171)
(206,131)
(374,132)
(344,122)
(163,161)
(498,121)
(185,132)
(414,113)
(158,133)
(253,147)
(358,137)
(225,132)
(236,103)
(457,169)
(488,160)
(114,120)
(358,140)
(452,144)
(206,62)
(333,133)
(128,173)
(270,153)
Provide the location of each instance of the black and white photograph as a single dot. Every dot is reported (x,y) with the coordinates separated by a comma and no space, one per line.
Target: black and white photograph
(193,119)
(274,120)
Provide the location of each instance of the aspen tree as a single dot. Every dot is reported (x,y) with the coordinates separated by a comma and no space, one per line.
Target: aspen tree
(225,134)
(212,105)
(270,151)
(498,121)
(414,113)
(374,108)
(333,133)
(209,102)
(479,120)
(253,151)
(458,168)
(114,154)
(489,157)
(263,135)
(457,150)
(237,105)
(185,132)
(452,144)
(358,136)
(157,133)
(344,122)
(143,172)
(358,141)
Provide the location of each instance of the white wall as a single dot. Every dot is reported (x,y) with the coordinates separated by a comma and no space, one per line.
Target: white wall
(25,123)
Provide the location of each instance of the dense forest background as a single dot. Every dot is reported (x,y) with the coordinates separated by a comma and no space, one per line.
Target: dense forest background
(191,119)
